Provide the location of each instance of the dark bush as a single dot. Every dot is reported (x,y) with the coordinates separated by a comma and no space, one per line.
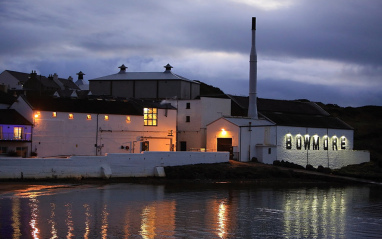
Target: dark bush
(310,167)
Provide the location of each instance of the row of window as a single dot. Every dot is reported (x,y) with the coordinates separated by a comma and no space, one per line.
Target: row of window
(150,116)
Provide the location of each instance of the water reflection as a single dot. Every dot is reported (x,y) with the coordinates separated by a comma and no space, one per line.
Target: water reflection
(16,218)
(308,212)
(149,211)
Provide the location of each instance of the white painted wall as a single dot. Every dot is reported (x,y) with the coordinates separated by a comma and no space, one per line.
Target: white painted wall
(201,112)
(111,165)
(328,158)
(60,135)
(268,143)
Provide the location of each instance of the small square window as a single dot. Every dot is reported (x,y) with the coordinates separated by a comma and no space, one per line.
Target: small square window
(88,117)
(106,117)
(71,116)
(188,118)
(54,114)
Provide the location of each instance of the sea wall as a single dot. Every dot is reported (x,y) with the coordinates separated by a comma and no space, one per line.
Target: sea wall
(146,164)
(332,159)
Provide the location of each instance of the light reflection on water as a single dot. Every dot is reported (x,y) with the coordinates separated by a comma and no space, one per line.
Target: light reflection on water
(212,211)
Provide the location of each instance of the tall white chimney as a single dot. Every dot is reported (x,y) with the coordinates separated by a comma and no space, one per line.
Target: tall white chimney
(252,106)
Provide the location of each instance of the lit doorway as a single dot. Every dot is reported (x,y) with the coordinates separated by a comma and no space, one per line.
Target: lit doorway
(225,144)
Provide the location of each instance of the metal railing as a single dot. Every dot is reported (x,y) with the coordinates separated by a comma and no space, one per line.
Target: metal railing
(18,137)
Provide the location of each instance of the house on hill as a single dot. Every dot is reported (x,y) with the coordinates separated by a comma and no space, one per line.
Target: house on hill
(33,84)
(15,129)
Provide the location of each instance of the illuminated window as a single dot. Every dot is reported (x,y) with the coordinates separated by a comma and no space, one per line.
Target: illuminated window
(298,141)
(150,116)
(106,117)
(289,141)
(71,116)
(88,117)
(343,142)
(54,114)
(17,132)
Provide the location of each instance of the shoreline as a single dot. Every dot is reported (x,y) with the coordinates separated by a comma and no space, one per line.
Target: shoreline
(232,173)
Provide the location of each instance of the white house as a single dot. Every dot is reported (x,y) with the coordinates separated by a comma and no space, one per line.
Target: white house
(193,117)
(65,126)
(15,128)
(298,132)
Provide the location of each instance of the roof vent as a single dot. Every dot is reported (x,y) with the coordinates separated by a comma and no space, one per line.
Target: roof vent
(123,68)
(80,75)
(168,68)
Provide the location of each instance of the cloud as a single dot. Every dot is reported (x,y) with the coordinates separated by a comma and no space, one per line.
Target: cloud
(300,43)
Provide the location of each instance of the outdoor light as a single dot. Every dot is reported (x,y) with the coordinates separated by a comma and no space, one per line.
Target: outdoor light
(289,141)
(224,132)
(326,142)
(316,141)
(343,142)
(334,143)
(298,141)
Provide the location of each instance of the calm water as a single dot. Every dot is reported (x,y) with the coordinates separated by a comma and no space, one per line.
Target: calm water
(191,211)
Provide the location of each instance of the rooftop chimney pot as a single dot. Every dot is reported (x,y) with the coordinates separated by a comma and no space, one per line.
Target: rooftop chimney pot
(123,68)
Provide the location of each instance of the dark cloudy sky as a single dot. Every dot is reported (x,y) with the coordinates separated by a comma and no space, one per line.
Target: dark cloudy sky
(321,50)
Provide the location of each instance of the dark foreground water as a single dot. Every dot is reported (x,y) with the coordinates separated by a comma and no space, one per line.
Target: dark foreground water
(191,211)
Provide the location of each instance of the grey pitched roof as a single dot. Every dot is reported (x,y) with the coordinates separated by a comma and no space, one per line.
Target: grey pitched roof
(167,75)
(68,84)
(85,106)
(12,117)
(289,113)
(100,106)
(24,77)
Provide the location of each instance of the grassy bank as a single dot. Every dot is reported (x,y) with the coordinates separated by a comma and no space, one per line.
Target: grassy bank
(239,171)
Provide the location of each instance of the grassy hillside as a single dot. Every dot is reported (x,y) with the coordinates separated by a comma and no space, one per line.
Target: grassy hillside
(367,124)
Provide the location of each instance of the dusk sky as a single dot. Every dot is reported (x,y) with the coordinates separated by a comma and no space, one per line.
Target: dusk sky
(323,50)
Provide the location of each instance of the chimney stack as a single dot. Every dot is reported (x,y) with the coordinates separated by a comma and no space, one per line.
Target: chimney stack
(252,106)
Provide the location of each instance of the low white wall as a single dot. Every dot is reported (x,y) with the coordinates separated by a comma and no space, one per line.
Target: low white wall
(112,165)
(332,159)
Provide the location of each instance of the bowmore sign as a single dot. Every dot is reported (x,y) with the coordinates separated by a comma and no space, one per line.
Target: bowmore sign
(308,142)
